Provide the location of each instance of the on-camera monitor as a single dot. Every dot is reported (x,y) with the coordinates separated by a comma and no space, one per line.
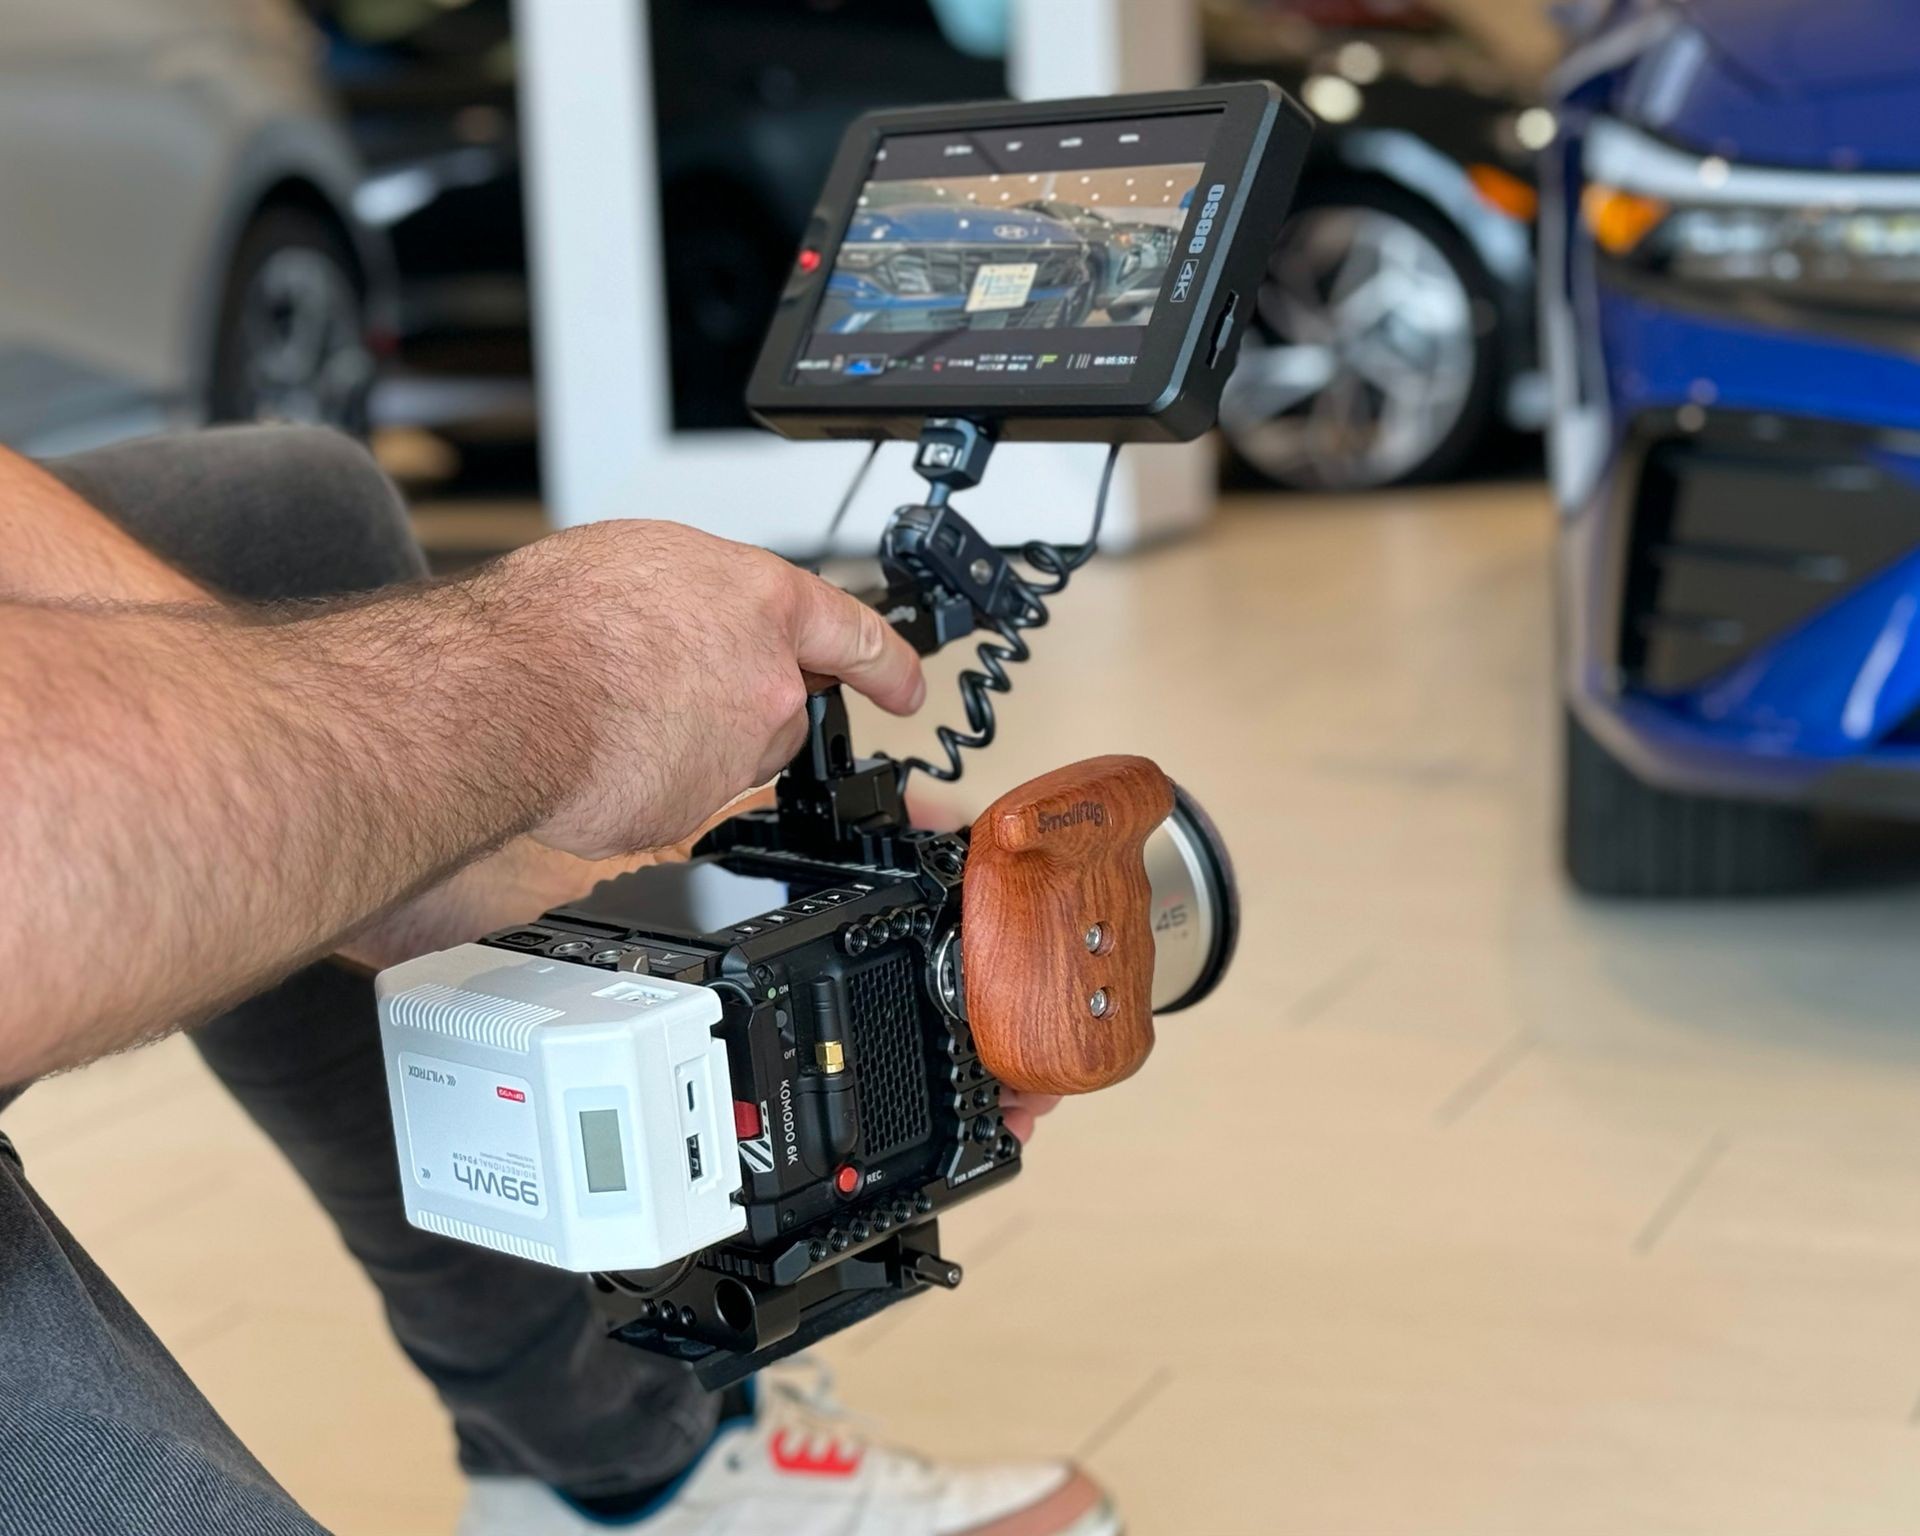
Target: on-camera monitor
(1022,254)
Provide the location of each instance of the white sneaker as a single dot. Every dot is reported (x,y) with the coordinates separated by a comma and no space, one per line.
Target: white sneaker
(798,1470)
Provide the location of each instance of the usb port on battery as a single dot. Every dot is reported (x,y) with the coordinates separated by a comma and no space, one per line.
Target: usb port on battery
(693,1158)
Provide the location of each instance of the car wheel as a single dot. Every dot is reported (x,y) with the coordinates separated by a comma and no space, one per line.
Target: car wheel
(1372,357)
(1626,838)
(1080,303)
(1096,277)
(292,344)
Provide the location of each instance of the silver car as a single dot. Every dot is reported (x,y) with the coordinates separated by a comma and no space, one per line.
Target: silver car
(177,242)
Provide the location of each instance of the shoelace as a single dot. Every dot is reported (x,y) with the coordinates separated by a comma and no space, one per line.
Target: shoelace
(806,1382)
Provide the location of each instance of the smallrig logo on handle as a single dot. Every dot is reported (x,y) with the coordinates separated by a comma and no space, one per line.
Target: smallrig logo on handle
(1073,816)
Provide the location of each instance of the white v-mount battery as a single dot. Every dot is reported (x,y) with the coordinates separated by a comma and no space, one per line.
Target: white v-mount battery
(578,1117)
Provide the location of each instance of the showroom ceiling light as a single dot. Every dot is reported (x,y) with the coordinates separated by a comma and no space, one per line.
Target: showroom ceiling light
(1360,62)
(1332,99)
(1536,128)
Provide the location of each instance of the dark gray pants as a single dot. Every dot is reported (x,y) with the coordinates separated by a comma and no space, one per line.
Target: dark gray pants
(100,1432)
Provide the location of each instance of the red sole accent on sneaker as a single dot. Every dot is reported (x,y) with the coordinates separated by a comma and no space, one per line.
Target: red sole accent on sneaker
(812,1461)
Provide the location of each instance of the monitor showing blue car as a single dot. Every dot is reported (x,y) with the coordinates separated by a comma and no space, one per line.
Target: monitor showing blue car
(1038,251)
(1731,248)
(923,264)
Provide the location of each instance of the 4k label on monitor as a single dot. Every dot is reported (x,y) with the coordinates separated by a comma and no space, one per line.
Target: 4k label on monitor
(473,1133)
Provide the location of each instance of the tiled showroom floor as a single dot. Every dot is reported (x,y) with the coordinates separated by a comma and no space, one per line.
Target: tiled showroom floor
(1464,1207)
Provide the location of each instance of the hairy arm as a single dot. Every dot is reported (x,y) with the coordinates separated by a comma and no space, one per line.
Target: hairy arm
(60,549)
(195,803)
(200,798)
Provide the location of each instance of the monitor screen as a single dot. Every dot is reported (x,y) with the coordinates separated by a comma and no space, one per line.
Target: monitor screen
(1025,254)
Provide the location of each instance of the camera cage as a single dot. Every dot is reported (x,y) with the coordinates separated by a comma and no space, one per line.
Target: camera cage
(812,1260)
(943,581)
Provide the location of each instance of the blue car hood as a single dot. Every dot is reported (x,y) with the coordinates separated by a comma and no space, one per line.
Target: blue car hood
(1816,47)
(944,224)
(1809,84)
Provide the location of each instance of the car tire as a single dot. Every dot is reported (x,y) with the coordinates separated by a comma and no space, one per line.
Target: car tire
(1079,308)
(291,343)
(1625,838)
(1096,281)
(1272,422)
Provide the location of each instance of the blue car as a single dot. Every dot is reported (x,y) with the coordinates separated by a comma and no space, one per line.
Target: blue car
(911,265)
(1731,275)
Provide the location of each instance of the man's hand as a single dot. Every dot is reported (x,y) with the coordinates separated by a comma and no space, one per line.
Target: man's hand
(675,669)
(1022,1111)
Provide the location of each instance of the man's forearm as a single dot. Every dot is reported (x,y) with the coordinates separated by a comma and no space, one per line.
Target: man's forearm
(61,550)
(344,761)
(198,799)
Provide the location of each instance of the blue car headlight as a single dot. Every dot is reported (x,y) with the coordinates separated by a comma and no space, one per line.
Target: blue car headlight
(1830,236)
(1828,250)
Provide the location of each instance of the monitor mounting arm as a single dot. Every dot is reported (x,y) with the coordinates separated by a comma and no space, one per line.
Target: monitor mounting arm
(943,580)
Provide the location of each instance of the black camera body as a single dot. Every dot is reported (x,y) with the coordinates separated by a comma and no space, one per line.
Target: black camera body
(832,931)
(860,1107)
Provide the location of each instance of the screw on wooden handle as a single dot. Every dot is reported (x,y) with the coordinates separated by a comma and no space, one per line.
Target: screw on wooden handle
(1055,934)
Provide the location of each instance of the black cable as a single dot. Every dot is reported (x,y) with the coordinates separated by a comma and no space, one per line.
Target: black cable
(1055,564)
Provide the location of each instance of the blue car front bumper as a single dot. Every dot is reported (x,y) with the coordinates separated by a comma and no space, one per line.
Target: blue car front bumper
(1740,591)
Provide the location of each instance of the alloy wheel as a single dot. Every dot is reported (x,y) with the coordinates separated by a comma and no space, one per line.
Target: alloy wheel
(304,357)
(1362,362)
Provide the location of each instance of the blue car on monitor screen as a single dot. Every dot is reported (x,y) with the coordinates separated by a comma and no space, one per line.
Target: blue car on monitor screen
(1731,275)
(912,265)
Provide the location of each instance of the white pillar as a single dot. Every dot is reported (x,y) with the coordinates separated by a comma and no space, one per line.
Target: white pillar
(600,342)
(1096,48)
(1092,47)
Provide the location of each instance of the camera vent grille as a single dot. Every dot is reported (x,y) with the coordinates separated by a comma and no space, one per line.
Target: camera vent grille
(888,1054)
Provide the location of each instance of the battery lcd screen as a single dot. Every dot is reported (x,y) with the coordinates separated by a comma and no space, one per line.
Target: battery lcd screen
(600,1140)
(1039,252)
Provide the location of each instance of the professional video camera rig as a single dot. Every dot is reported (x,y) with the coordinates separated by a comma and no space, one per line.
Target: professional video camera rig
(740,1091)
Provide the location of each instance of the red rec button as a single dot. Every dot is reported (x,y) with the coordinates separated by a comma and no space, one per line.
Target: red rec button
(746,1119)
(847,1180)
(809,260)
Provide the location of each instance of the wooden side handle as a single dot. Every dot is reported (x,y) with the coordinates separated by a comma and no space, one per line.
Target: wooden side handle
(1055,937)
